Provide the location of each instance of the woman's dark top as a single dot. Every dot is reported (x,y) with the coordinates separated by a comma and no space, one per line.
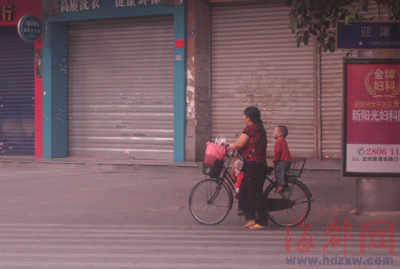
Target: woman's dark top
(255,134)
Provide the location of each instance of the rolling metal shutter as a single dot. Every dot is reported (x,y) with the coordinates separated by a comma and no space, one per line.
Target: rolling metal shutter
(331,103)
(17,89)
(120,87)
(255,61)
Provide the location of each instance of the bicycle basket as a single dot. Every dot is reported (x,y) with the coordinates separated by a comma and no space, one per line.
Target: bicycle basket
(214,159)
(212,166)
(296,168)
(215,151)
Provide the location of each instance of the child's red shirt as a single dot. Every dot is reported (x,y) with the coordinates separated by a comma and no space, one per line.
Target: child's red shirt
(282,152)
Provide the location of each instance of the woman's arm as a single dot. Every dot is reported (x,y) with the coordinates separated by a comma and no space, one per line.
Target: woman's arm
(240,143)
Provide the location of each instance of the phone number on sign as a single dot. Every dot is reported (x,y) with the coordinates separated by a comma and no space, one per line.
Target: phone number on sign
(382,151)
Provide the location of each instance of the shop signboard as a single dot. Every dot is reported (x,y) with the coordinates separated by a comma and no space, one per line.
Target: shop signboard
(30,27)
(368,35)
(371,118)
(7,13)
(98,7)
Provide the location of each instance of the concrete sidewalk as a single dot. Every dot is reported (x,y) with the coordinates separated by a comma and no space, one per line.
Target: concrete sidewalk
(333,195)
(125,197)
(133,164)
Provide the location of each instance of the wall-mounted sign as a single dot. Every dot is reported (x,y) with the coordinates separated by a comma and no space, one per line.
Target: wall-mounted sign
(371,117)
(7,13)
(30,27)
(75,6)
(368,35)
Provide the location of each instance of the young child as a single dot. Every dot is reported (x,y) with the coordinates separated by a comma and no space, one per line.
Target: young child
(283,158)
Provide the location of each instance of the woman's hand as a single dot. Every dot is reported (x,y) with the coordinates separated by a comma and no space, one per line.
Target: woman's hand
(240,143)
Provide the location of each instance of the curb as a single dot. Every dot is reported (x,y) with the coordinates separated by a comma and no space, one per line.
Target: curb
(323,169)
(101,165)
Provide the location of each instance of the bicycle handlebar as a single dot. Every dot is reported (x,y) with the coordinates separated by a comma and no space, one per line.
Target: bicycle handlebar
(229,155)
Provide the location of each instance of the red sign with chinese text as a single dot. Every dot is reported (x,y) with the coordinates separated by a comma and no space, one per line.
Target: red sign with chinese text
(372,116)
(12,10)
(373,98)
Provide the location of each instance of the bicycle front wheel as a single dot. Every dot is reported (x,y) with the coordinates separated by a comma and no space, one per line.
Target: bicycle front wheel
(288,205)
(210,201)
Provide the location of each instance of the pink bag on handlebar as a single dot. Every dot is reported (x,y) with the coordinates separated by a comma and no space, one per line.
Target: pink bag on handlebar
(214,152)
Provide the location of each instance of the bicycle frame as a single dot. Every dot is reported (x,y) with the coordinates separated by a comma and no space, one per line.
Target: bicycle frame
(230,182)
(226,175)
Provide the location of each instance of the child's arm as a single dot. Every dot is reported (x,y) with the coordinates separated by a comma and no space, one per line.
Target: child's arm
(278,151)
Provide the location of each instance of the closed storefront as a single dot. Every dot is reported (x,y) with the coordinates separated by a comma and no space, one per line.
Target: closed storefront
(114,80)
(121,88)
(255,62)
(17,90)
(331,103)
(20,79)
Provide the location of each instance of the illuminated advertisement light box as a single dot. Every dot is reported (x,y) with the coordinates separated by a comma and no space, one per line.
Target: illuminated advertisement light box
(371,118)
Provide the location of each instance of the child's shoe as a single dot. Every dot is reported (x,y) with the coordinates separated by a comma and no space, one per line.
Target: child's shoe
(280,188)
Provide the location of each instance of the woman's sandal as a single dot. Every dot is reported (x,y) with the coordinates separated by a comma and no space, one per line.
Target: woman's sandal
(259,227)
(250,224)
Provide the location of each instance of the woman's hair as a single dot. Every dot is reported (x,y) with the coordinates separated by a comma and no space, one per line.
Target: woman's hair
(254,114)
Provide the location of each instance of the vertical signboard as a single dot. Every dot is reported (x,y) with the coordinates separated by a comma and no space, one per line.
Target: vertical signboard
(371,143)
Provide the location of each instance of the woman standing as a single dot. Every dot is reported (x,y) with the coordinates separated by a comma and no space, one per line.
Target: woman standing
(252,145)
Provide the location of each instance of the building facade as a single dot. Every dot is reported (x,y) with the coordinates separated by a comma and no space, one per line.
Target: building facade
(244,55)
(114,79)
(152,79)
(20,82)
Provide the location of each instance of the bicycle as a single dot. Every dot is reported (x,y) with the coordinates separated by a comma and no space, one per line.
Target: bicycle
(211,199)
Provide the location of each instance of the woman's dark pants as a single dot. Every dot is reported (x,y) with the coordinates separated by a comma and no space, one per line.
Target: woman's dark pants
(251,197)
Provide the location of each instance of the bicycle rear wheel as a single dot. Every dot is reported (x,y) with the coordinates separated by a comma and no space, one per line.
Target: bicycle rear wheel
(288,205)
(210,201)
